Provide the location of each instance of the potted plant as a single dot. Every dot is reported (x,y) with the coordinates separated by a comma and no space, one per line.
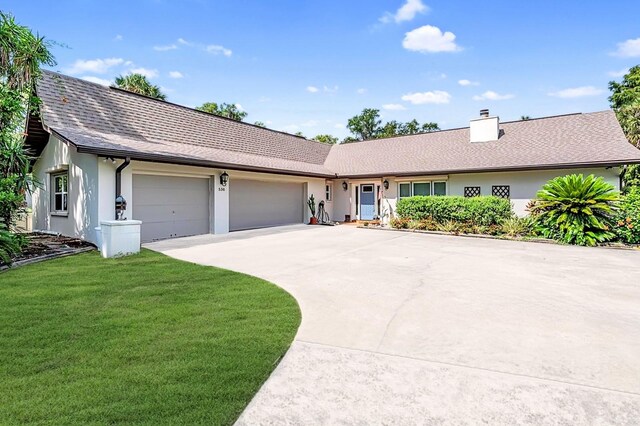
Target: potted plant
(311,202)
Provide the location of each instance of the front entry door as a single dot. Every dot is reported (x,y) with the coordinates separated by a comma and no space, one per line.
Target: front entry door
(367,202)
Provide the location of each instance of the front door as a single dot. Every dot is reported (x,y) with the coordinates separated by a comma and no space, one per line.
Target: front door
(367,202)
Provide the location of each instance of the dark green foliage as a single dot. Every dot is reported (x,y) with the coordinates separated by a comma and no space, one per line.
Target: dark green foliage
(484,211)
(224,110)
(576,209)
(328,139)
(10,245)
(367,125)
(143,339)
(627,220)
(138,83)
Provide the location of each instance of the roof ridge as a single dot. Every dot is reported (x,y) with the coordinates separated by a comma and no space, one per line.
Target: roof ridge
(173,104)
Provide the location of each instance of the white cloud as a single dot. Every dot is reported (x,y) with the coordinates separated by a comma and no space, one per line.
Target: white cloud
(217,49)
(175,74)
(361,91)
(118,37)
(164,48)
(98,80)
(339,126)
(619,73)
(430,39)
(327,89)
(577,92)
(407,12)
(393,107)
(97,66)
(239,107)
(434,97)
(490,95)
(149,73)
(312,89)
(465,82)
(309,123)
(183,41)
(629,48)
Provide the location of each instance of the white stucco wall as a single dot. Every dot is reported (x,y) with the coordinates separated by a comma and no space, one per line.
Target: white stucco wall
(83,198)
(523,185)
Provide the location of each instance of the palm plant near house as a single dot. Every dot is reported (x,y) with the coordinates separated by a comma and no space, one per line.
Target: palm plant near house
(576,209)
(138,83)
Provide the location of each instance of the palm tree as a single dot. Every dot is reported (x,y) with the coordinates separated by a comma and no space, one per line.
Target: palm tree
(138,83)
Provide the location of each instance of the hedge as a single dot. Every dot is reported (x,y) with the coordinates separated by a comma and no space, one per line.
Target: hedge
(484,210)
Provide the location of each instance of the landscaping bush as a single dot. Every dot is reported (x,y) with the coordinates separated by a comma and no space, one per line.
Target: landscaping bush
(576,210)
(627,221)
(10,245)
(517,227)
(484,211)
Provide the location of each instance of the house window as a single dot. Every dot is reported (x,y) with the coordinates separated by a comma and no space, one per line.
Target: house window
(411,189)
(59,181)
(405,190)
(502,191)
(471,191)
(367,188)
(327,192)
(422,188)
(439,188)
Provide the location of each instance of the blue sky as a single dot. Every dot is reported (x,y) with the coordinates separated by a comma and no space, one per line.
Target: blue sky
(310,65)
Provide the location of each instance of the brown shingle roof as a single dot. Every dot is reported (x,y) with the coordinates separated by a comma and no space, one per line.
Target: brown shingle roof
(107,121)
(551,142)
(95,117)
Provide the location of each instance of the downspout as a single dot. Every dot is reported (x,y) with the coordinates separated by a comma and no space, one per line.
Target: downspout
(119,170)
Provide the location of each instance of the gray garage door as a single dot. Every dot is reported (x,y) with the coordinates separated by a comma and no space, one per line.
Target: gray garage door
(170,206)
(256,204)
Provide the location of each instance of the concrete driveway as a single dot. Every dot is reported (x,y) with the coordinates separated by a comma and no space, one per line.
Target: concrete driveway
(401,328)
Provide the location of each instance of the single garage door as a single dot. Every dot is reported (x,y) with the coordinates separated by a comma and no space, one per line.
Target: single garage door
(257,204)
(170,206)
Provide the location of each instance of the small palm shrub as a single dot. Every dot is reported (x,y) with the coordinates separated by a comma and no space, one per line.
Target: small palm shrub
(576,209)
(627,221)
(517,227)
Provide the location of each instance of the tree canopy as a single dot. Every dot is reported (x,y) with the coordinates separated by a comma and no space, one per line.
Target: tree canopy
(138,83)
(22,53)
(368,125)
(225,110)
(328,139)
(625,101)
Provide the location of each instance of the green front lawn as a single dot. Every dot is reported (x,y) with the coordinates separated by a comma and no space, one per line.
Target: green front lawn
(144,339)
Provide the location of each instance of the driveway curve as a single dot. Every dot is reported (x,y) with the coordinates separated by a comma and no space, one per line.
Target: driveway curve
(402,328)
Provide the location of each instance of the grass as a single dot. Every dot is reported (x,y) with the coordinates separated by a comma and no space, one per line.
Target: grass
(144,339)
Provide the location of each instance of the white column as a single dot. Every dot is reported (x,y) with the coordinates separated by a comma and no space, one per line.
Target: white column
(221,204)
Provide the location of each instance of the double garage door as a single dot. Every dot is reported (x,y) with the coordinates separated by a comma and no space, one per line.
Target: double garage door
(171,206)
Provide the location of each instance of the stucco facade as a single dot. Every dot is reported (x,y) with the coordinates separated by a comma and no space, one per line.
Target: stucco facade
(92,189)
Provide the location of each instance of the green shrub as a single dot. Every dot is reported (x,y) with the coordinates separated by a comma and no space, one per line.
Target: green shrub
(424,225)
(10,245)
(399,223)
(575,209)
(485,211)
(627,223)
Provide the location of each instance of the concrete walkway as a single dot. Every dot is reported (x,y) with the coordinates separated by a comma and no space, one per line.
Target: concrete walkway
(403,328)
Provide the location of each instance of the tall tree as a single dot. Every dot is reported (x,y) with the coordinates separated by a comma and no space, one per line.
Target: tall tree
(22,53)
(138,83)
(625,101)
(224,110)
(367,125)
(328,139)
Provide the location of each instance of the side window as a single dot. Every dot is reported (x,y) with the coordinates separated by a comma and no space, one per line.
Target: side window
(502,191)
(471,191)
(59,183)
(327,192)
(404,189)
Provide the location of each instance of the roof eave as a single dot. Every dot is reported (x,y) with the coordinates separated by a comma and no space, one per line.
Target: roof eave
(607,163)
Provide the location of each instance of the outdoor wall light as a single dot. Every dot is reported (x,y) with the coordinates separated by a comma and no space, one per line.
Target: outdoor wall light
(224,179)
(345,185)
(386,184)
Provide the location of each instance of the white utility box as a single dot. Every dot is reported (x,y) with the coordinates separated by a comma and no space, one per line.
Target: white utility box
(120,237)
